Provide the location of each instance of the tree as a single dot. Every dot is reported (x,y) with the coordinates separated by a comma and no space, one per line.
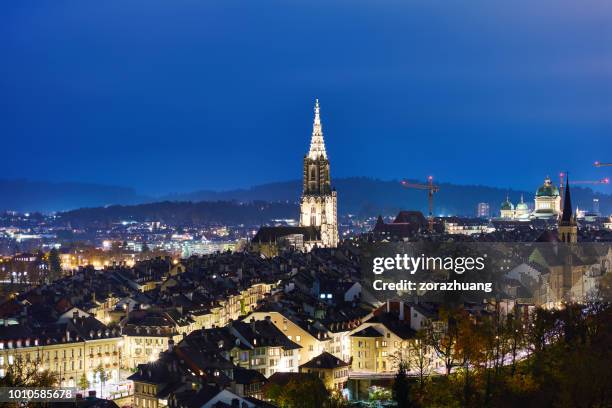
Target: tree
(83,382)
(444,339)
(22,374)
(419,357)
(306,392)
(467,350)
(401,387)
(54,264)
(102,376)
(514,333)
(541,332)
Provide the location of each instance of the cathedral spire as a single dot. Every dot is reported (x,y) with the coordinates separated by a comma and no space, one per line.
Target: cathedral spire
(317,145)
(566,216)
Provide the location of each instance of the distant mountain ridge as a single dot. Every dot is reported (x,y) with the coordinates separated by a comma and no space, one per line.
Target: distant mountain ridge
(356,195)
(369,196)
(45,196)
(179,213)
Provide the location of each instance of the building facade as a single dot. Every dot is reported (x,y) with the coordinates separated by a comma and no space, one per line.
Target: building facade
(483,210)
(547,201)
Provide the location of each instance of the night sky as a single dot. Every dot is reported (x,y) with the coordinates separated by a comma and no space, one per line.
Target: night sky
(179,95)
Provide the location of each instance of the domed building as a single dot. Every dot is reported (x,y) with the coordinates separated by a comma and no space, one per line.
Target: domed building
(547,201)
(507,209)
(521,211)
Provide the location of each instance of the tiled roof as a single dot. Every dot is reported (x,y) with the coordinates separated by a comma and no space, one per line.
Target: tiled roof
(325,360)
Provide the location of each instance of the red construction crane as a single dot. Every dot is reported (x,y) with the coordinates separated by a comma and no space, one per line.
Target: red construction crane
(562,183)
(431,189)
(600,164)
(602,181)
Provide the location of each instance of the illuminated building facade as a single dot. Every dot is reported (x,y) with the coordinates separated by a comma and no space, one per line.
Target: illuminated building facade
(547,201)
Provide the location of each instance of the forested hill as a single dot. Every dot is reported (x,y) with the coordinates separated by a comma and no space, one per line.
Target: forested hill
(367,196)
(182,213)
(356,195)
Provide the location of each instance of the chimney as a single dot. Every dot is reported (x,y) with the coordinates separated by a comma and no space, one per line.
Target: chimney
(401,310)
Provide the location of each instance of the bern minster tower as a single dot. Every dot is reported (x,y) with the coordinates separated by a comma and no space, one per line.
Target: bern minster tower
(318,207)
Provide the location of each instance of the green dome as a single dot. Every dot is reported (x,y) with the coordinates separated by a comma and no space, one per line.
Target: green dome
(522,206)
(507,206)
(548,189)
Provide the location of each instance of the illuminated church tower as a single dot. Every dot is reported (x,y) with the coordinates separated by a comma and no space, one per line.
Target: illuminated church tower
(318,206)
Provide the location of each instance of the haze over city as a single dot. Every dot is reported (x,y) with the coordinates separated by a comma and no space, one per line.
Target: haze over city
(171,97)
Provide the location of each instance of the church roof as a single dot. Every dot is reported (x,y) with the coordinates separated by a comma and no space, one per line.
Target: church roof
(272,234)
(410,217)
(406,224)
(548,236)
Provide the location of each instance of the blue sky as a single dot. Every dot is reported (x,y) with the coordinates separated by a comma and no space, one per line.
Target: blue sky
(190,94)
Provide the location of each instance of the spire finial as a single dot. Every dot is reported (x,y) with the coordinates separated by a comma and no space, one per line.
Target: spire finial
(317,145)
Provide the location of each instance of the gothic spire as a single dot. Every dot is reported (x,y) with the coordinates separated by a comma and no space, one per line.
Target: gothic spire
(566,216)
(317,145)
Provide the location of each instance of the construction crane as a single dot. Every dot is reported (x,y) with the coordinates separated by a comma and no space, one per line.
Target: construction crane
(562,183)
(600,164)
(431,189)
(602,181)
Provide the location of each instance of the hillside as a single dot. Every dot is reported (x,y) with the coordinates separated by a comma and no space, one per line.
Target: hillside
(356,195)
(367,196)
